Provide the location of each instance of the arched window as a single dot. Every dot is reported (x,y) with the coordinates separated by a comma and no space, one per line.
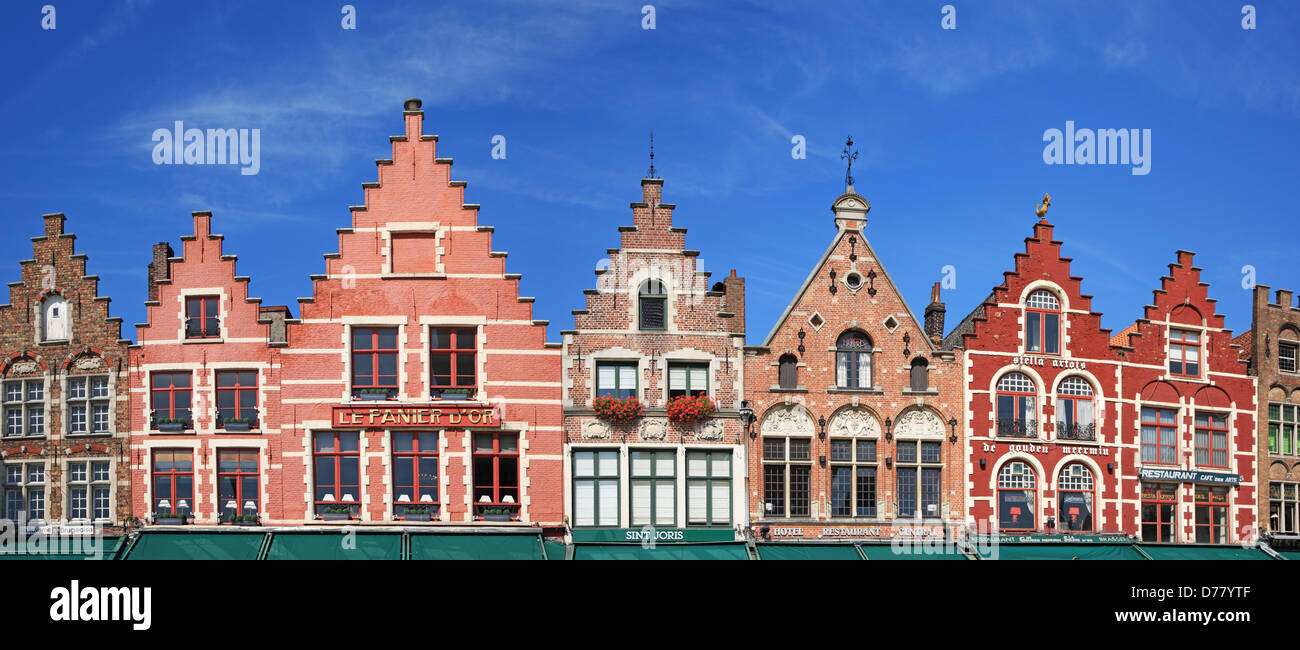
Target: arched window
(920,374)
(652,303)
(1074,497)
(1042,323)
(853,360)
(788,372)
(1074,410)
(1017,497)
(54,324)
(1017,411)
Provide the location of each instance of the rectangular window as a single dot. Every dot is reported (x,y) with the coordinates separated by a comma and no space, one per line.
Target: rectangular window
(1286,356)
(1159,436)
(24,490)
(787,468)
(654,488)
(688,379)
(595,488)
(88,405)
(1211,440)
(237,483)
(1184,353)
(170,393)
(1283,507)
(452,361)
(173,482)
(1282,428)
(415,474)
(708,488)
(918,476)
(1159,505)
(853,478)
(237,398)
(496,475)
(374,362)
(616,379)
(201,317)
(88,487)
(24,406)
(337,458)
(1211,515)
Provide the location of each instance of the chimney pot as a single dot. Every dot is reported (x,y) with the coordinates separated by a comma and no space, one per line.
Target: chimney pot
(412,104)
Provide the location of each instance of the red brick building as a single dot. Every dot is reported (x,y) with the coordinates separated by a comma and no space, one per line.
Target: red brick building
(654,330)
(1148,433)
(205,391)
(857,405)
(1270,348)
(416,384)
(63,363)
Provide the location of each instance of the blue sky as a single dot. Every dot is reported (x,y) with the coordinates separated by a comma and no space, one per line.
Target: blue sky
(949,124)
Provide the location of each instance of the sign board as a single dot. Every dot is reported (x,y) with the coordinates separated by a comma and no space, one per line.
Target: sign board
(1055,539)
(416,416)
(1188,476)
(657,535)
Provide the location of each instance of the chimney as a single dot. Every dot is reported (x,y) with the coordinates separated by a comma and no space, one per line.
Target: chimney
(934,316)
(53,224)
(1284,298)
(734,301)
(159,269)
(414,117)
(275,317)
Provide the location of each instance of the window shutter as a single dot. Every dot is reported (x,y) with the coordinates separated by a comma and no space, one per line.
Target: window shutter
(584,503)
(608,503)
(676,378)
(652,312)
(697,501)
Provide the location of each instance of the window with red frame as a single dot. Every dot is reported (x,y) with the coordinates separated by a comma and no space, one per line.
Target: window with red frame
(1075,495)
(237,479)
(170,394)
(374,361)
(173,482)
(452,354)
(1211,515)
(1042,323)
(1159,505)
(1184,353)
(1017,497)
(496,474)
(1159,436)
(1211,440)
(237,397)
(415,474)
(337,458)
(201,317)
(1016,406)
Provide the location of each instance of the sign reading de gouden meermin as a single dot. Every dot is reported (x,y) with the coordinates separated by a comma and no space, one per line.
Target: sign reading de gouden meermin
(416,416)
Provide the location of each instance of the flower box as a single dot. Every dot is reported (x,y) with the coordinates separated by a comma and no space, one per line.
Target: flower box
(169,520)
(373,397)
(691,408)
(615,410)
(171,427)
(452,393)
(417,516)
(235,425)
(336,516)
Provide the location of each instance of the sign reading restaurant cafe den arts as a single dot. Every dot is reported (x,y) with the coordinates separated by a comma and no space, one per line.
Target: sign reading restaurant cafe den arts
(407,415)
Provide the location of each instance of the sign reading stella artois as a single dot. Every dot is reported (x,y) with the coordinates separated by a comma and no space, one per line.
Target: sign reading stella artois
(417,415)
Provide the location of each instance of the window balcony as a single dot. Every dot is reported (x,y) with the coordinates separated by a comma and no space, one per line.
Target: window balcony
(1008,428)
(1067,431)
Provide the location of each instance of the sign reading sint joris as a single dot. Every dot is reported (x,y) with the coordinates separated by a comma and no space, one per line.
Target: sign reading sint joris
(416,416)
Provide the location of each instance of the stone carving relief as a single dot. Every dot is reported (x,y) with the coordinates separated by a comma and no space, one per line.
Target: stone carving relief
(595,430)
(653,429)
(854,422)
(88,363)
(789,420)
(709,430)
(919,423)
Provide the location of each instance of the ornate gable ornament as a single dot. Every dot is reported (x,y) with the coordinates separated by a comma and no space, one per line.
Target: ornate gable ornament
(919,423)
(789,420)
(854,422)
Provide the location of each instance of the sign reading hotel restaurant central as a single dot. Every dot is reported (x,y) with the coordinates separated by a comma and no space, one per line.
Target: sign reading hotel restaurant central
(422,415)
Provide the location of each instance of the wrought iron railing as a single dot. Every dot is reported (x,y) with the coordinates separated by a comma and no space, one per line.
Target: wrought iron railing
(1075,431)
(1008,428)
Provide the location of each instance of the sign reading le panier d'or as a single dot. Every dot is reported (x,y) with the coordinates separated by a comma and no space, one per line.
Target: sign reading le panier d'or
(407,415)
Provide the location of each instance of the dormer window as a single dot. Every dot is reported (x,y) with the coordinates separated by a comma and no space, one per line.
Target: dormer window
(1184,353)
(201,317)
(652,304)
(853,360)
(1042,323)
(54,324)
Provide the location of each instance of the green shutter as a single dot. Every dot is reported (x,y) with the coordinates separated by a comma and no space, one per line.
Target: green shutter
(335,546)
(734,551)
(503,546)
(196,546)
(807,552)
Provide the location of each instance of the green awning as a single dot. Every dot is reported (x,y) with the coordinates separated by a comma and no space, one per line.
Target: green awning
(807,552)
(65,549)
(1061,552)
(501,546)
(912,552)
(725,551)
(153,545)
(334,545)
(1289,555)
(1198,552)
(555,550)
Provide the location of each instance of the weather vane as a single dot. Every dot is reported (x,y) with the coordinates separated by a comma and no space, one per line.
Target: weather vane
(848,174)
(652,154)
(1041,210)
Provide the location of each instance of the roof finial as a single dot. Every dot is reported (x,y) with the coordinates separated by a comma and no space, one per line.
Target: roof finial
(652,154)
(1041,210)
(848,174)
